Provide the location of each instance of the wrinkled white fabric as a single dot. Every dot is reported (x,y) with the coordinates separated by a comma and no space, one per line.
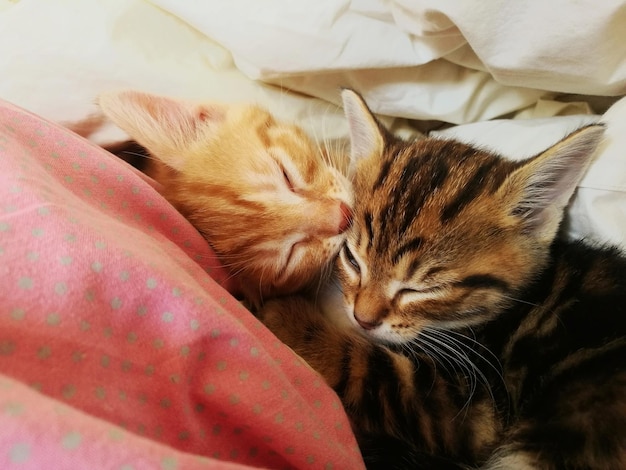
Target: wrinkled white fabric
(442,60)
(558,45)
(434,59)
(460,62)
(57,56)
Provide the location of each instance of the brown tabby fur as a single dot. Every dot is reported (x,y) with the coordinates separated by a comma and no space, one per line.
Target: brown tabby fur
(461,332)
(268,200)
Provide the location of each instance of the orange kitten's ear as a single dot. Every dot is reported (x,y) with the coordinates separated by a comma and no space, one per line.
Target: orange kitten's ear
(541,187)
(366,133)
(164,126)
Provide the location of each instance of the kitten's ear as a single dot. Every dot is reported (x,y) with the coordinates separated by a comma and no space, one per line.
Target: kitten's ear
(162,125)
(541,187)
(367,136)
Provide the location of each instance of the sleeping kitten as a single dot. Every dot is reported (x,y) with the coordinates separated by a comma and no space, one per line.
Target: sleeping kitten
(273,207)
(462,332)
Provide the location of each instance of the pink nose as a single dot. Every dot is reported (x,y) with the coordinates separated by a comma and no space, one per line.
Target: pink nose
(328,219)
(346,217)
(366,325)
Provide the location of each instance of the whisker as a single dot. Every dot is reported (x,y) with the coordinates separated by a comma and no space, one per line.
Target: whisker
(317,140)
(497,369)
(416,356)
(446,335)
(457,350)
(137,154)
(431,346)
(519,300)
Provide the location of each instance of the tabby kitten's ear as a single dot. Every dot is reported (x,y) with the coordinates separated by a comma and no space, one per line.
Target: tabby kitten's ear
(541,187)
(164,126)
(367,135)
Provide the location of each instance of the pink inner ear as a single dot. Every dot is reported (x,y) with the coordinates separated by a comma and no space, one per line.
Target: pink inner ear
(210,113)
(155,106)
(171,115)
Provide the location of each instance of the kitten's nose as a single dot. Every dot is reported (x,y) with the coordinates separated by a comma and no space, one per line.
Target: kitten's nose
(366,325)
(325,219)
(346,217)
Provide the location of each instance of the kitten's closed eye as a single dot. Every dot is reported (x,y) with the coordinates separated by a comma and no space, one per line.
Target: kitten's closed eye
(408,296)
(417,291)
(288,180)
(347,253)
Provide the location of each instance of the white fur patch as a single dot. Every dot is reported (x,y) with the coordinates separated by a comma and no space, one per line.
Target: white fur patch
(503,461)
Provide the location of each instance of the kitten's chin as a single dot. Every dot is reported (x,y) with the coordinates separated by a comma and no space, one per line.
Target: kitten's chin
(382,334)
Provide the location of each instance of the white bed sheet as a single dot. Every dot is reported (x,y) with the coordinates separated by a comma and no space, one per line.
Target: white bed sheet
(434,59)
(458,62)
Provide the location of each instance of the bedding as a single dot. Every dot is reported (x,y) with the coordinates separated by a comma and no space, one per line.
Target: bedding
(114,304)
(120,345)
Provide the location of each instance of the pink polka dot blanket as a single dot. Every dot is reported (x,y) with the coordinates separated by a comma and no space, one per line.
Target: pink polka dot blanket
(120,346)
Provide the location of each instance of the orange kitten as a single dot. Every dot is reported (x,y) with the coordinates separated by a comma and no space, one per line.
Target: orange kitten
(271,205)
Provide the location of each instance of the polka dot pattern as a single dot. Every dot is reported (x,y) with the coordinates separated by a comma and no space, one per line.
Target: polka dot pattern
(115,343)
(39,432)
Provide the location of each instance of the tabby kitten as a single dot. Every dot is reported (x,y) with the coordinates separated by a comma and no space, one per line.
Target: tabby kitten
(271,204)
(462,332)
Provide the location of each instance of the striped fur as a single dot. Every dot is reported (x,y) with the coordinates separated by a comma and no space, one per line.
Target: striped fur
(270,202)
(462,332)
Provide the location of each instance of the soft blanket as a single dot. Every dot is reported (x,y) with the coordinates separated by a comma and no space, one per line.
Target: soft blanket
(120,347)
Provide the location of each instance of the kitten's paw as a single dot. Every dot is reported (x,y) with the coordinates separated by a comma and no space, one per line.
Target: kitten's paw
(279,313)
(290,318)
